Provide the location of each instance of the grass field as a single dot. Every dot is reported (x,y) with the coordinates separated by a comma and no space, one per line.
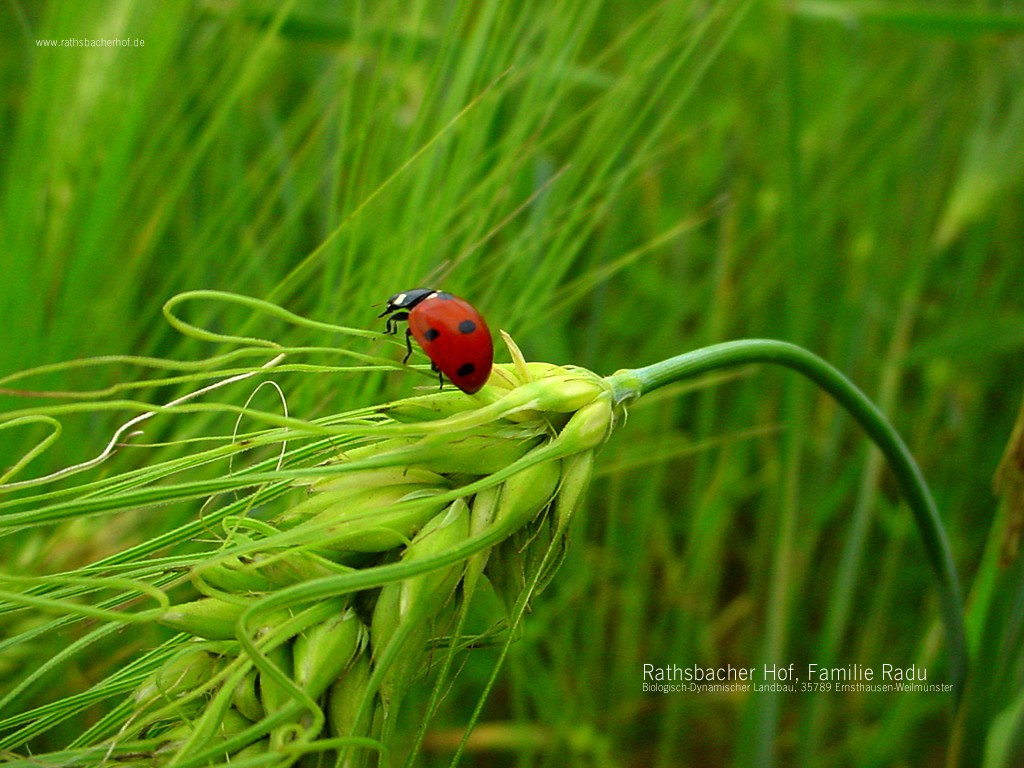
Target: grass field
(612,183)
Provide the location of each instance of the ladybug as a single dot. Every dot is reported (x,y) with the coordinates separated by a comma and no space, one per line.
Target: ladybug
(451,332)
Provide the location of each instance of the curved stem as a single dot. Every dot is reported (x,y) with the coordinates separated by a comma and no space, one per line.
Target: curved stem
(630,384)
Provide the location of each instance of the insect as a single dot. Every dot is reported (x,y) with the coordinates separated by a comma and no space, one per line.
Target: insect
(452,333)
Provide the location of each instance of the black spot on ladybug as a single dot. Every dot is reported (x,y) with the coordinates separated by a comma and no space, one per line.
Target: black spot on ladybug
(431,334)
(465,369)
(467,326)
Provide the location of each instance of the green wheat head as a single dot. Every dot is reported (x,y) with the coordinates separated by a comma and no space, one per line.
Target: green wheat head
(452,493)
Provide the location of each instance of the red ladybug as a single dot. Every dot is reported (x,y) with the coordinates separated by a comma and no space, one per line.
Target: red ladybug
(451,332)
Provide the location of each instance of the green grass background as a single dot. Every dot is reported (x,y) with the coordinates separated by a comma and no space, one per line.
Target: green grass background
(613,183)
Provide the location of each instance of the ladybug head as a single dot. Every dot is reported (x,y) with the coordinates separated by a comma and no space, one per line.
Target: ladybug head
(406,300)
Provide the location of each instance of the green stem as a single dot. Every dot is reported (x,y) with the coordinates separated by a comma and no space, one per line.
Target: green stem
(630,384)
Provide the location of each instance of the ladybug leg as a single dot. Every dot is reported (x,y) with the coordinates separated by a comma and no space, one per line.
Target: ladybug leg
(408,346)
(440,376)
(391,326)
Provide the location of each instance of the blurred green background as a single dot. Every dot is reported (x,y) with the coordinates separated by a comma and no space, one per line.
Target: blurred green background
(613,183)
